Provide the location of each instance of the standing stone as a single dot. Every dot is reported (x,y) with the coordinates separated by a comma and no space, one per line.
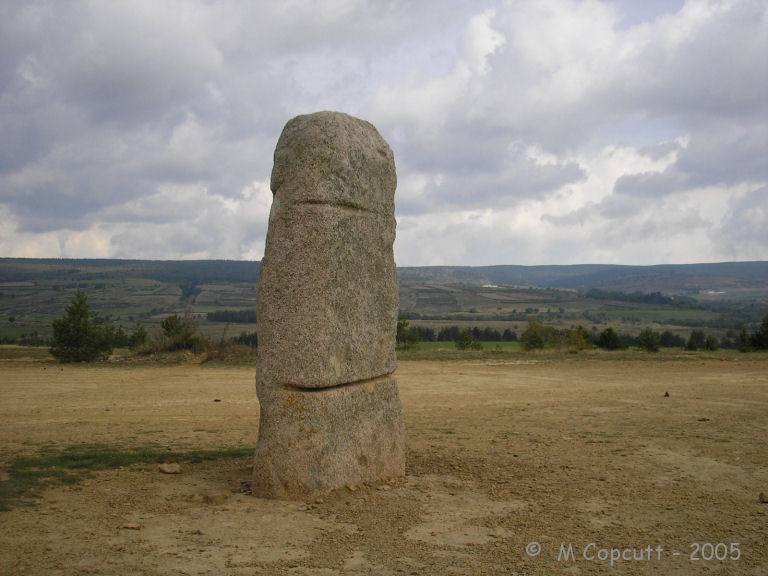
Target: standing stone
(327,310)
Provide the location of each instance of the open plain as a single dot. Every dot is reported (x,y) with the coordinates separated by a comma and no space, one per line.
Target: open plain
(518,464)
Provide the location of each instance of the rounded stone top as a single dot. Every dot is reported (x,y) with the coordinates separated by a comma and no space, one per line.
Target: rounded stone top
(336,159)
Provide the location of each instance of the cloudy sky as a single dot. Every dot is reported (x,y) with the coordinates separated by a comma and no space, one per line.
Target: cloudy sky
(524,132)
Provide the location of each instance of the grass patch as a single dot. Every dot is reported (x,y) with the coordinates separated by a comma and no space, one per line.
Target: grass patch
(37,353)
(228,353)
(448,353)
(508,346)
(29,476)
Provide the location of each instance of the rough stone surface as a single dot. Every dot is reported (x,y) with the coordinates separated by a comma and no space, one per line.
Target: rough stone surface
(327,284)
(313,441)
(327,308)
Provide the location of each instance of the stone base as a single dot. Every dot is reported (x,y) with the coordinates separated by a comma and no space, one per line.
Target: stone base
(314,441)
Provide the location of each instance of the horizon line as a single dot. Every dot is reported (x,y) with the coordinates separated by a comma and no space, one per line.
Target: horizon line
(92,259)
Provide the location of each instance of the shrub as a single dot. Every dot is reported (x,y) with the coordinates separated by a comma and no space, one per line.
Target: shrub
(405,338)
(580,338)
(610,340)
(465,341)
(138,337)
(648,340)
(711,343)
(180,333)
(533,336)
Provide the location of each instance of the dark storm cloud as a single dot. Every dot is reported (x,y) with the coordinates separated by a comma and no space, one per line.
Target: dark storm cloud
(473,190)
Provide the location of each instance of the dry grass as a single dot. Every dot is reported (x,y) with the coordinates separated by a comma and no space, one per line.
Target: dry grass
(502,451)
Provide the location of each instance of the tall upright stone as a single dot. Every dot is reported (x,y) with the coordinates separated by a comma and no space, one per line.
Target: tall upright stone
(327,312)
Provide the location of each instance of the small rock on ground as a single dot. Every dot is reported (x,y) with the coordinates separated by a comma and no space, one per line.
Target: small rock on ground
(169,468)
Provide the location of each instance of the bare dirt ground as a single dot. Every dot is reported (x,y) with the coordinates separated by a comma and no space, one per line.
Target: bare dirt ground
(586,457)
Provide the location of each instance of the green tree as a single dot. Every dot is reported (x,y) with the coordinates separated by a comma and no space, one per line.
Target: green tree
(696,340)
(711,343)
(610,340)
(81,335)
(465,341)
(405,338)
(648,340)
(509,336)
(759,339)
(745,342)
(119,337)
(533,336)
(670,340)
(171,325)
(138,337)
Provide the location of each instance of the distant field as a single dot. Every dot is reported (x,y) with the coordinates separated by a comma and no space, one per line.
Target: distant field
(517,347)
(661,316)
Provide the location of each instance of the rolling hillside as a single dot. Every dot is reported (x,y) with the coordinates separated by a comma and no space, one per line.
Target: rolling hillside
(668,278)
(720,297)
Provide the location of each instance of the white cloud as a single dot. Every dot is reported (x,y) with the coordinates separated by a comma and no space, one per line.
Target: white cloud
(177,218)
(524,131)
(744,227)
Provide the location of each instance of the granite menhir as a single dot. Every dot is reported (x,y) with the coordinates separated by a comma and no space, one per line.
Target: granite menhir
(327,313)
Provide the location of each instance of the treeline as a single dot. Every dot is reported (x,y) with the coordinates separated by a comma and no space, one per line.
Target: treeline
(609,339)
(537,336)
(463,338)
(82,335)
(451,333)
(249,339)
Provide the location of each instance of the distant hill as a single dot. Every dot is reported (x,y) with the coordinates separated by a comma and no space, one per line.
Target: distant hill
(669,278)
(173,271)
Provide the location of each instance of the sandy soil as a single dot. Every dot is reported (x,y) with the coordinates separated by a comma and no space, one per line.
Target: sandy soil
(587,458)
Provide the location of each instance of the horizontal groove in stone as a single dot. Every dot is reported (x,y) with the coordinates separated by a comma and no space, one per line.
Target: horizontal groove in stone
(296,388)
(342,205)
